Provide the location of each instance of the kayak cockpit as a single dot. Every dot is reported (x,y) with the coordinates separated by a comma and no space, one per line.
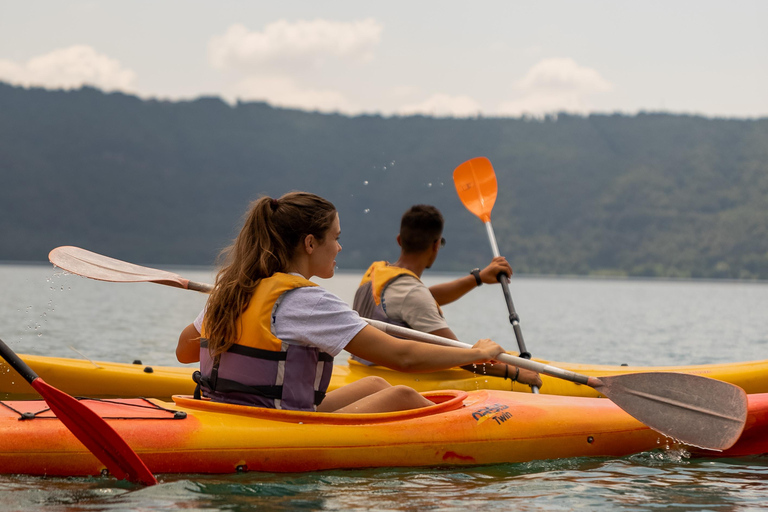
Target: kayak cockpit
(444,401)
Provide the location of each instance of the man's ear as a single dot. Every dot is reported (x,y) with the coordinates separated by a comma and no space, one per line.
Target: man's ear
(398,240)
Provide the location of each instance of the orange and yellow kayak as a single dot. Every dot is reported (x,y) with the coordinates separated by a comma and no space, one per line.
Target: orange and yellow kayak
(112,380)
(461,428)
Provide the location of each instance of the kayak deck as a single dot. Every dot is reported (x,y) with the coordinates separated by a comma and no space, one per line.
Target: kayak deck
(114,380)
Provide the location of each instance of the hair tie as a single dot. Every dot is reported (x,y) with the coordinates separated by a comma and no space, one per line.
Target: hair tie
(273,204)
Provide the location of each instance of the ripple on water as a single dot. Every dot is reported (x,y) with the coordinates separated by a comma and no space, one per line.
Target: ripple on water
(643,482)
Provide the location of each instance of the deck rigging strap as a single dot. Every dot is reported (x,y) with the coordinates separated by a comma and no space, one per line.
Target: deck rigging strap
(144,404)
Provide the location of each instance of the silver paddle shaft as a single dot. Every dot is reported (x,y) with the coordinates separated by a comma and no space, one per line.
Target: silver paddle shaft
(513,318)
(535,366)
(492,239)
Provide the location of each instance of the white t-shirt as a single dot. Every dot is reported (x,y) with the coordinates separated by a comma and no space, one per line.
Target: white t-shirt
(407,299)
(312,316)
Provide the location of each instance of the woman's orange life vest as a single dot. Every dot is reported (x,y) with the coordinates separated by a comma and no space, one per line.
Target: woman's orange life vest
(260,369)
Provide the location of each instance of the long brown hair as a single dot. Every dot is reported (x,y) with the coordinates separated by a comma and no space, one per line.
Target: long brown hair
(272,231)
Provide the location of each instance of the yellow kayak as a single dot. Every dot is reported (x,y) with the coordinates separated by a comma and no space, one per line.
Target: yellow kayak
(111,380)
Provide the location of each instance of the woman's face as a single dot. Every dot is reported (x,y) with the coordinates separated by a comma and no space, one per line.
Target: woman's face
(323,258)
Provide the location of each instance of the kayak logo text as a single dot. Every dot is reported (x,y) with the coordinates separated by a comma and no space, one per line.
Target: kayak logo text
(496,412)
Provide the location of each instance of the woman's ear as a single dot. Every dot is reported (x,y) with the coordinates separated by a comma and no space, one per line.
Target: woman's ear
(310,243)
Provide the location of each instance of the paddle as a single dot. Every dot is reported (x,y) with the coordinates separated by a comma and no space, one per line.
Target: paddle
(691,409)
(91,429)
(103,268)
(476,185)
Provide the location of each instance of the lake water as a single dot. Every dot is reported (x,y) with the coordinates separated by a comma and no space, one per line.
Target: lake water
(639,322)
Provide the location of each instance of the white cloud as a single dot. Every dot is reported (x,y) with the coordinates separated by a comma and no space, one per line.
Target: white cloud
(283,42)
(282,91)
(564,75)
(553,85)
(69,68)
(269,62)
(443,105)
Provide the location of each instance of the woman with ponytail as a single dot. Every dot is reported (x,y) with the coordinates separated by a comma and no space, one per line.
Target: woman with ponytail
(268,335)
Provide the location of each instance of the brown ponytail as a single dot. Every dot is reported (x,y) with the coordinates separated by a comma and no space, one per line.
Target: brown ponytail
(271,233)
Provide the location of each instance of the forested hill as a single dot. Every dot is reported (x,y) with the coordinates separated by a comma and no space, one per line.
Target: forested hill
(166,183)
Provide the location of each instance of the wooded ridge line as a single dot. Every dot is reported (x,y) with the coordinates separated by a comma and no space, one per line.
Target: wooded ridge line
(162,182)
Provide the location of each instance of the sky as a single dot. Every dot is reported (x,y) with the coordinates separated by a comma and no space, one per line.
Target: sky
(442,58)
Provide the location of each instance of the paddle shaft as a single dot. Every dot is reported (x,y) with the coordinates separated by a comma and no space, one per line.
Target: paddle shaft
(528,364)
(514,319)
(16,363)
(200,287)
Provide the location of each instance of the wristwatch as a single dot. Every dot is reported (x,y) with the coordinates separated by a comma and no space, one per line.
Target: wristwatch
(476,272)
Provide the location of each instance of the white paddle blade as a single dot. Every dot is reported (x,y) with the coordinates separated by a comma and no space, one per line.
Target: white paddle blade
(103,268)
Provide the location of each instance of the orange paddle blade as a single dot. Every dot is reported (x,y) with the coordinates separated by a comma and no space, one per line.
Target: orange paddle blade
(476,185)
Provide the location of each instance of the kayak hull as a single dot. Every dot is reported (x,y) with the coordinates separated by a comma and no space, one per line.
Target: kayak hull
(462,429)
(118,380)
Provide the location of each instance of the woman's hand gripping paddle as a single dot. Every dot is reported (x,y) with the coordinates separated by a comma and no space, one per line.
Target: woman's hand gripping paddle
(476,185)
(691,409)
(91,429)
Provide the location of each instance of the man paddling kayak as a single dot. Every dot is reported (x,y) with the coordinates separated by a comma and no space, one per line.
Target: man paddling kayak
(268,335)
(394,293)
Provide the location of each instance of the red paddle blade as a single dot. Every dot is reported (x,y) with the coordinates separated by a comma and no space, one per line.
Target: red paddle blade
(476,185)
(96,434)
